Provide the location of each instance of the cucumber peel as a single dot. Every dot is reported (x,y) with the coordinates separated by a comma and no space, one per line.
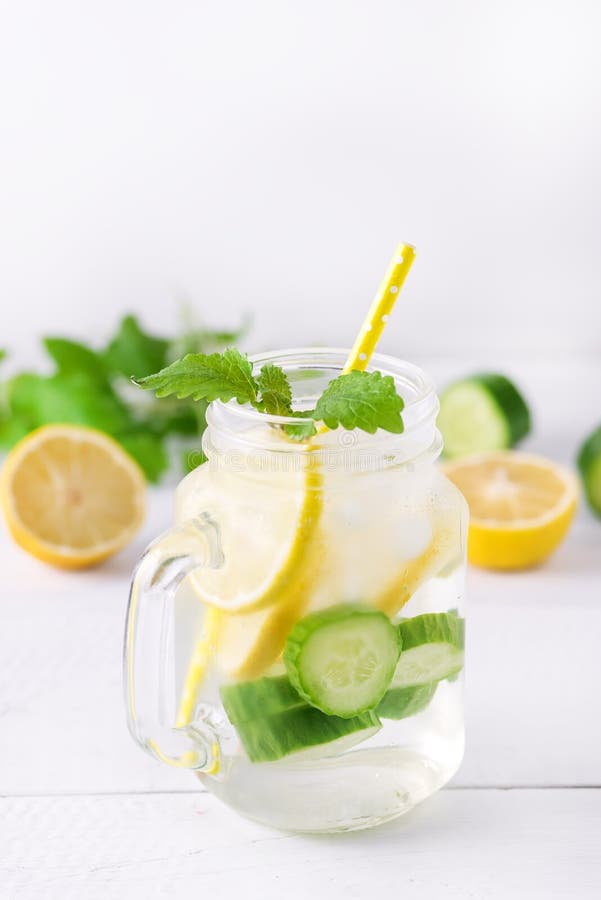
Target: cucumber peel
(589,464)
(482,413)
(257,699)
(402,702)
(303,729)
(432,649)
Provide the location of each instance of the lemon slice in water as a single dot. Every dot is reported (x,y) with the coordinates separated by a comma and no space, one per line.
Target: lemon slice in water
(245,628)
(265,525)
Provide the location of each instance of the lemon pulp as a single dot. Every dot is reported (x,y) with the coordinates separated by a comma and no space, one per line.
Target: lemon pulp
(71,495)
(521,507)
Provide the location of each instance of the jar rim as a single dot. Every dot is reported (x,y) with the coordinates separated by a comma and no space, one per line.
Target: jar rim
(334,358)
(230,420)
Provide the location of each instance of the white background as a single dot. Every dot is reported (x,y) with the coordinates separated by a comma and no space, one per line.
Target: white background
(267,156)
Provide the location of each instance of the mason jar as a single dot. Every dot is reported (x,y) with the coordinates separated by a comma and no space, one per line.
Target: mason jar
(296,640)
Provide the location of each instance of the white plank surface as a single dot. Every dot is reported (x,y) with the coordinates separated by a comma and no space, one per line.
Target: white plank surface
(469,844)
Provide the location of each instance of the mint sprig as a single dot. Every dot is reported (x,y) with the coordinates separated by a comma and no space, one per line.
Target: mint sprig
(90,386)
(132,351)
(363,400)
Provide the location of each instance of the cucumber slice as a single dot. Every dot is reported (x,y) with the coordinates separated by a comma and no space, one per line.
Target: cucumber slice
(257,699)
(432,649)
(481,413)
(273,721)
(589,463)
(303,729)
(399,703)
(341,660)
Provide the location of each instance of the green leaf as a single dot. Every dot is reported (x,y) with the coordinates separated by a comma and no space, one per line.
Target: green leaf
(12,429)
(2,355)
(149,452)
(133,352)
(205,340)
(365,400)
(276,394)
(74,399)
(181,418)
(300,431)
(218,376)
(172,416)
(71,356)
(192,457)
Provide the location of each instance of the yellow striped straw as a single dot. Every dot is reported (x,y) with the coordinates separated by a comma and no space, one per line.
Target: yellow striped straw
(199,664)
(379,311)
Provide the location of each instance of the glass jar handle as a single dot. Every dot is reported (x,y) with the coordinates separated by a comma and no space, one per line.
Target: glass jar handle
(149,626)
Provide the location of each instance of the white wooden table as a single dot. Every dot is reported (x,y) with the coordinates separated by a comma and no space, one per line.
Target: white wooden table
(85,814)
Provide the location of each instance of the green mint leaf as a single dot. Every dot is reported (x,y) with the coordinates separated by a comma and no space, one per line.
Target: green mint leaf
(2,355)
(179,417)
(192,458)
(75,399)
(223,337)
(133,352)
(12,429)
(71,356)
(172,416)
(300,431)
(217,376)
(276,394)
(365,400)
(206,340)
(149,452)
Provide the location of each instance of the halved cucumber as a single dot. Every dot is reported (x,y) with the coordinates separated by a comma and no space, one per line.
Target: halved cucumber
(480,413)
(432,649)
(260,698)
(341,660)
(399,703)
(589,463)
(303,729)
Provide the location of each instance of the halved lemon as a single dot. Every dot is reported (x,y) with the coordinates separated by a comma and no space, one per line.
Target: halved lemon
(521,507)
(71,495)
